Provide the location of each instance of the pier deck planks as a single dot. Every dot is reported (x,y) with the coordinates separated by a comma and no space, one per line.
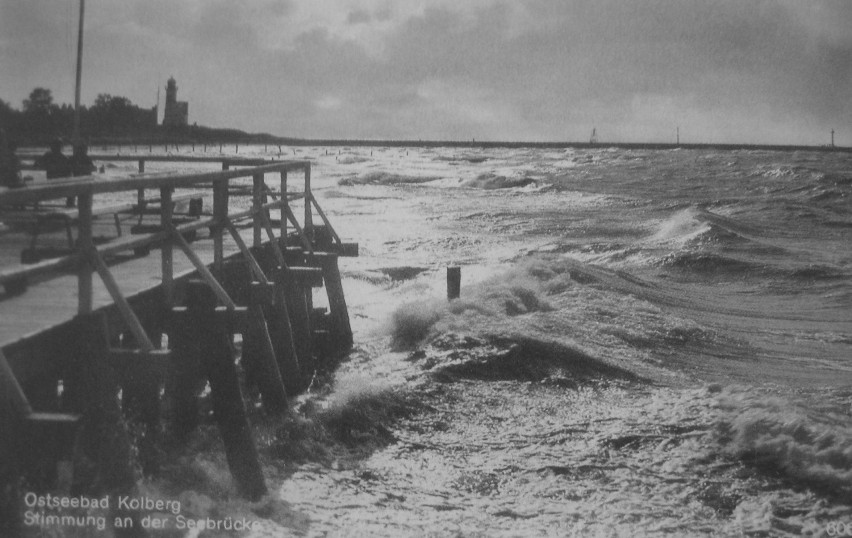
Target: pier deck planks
(53,302)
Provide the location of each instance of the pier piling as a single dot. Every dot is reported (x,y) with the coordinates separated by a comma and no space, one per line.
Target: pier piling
(259,353)
(104,361)
(228,404)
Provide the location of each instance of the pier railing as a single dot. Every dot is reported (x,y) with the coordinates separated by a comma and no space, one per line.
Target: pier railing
(170,235)
(270,304)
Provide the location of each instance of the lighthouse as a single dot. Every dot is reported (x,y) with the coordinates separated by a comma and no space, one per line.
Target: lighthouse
(176,113)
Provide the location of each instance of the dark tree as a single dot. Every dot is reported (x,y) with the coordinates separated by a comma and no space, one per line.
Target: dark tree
(40,101)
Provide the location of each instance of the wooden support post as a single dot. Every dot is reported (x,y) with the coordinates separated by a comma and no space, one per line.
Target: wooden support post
(104,438)
(141,374)
(453,283)
(84,240)
(300,323)
(259,355)
(283,338)
(12,390)
(204,271)
(309,223)
(341,330)
(184,383)
(166,209)
(284,199)
(228,405)
(120,302)
(273,241)
(257,201)
(255,268)
(220,214)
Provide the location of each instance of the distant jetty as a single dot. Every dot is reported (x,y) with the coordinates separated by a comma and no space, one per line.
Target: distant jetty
(210,136)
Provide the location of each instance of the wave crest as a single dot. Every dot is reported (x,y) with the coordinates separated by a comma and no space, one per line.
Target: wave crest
(811,447)
(385,178)
(493,181)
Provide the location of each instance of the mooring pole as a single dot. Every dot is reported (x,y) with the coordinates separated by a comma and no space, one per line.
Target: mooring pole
(453,282)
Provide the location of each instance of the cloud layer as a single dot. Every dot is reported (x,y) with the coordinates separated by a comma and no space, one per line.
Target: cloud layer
(722,70)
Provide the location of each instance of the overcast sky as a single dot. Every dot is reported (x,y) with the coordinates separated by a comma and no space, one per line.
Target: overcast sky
(723,70)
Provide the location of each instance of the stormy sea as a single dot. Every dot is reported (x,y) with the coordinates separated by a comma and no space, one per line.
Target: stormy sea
(647,343)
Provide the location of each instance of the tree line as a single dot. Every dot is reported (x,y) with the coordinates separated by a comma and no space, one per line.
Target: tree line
(41,120)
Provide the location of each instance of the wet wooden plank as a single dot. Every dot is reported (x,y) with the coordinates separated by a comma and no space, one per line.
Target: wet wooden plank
(53,302)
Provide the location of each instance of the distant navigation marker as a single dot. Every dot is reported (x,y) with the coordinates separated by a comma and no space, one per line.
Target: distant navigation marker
(832,138)
(594,138)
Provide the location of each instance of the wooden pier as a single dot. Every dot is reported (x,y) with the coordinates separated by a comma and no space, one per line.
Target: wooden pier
(131,328)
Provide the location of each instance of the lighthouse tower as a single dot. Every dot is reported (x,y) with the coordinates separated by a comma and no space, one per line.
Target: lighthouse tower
(176,113)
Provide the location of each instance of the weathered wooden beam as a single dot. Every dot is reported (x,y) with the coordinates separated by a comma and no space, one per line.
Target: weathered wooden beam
(167,255)
(258,199)
(84,270)
(204,271)
(220,215)
(339,313)
(12,389)
(279,321)
(228,405)
(95,185)
(255,268)
(325,220)
(121,303)
(258,351)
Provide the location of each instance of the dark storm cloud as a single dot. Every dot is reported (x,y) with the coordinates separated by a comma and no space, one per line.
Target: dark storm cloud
(774,71)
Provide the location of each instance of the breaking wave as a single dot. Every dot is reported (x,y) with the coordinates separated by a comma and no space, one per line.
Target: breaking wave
(706,263)
(451,357)
(493,181)
(810,446)
(386,178)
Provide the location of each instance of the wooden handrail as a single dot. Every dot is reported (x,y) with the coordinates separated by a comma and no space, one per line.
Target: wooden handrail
(97,185)
(88,257)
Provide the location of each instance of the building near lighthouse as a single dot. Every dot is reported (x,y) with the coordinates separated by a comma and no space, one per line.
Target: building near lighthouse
(176,113)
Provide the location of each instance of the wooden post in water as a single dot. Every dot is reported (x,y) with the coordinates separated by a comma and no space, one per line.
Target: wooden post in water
(184,382)
(341,330)
(300,321)
(453,282)
(228,405)
(259,353)
(104,437)
(283,338)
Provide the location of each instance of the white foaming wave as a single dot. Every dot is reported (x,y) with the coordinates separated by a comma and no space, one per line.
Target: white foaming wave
(810,446)
(681,227)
